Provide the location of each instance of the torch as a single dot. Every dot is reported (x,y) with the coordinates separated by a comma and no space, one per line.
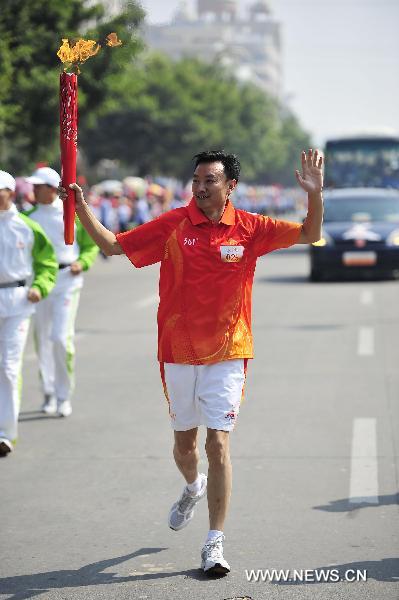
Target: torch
(68,145)
(72,56)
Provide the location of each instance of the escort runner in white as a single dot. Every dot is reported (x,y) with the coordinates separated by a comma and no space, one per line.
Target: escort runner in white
(28,271)
(54,320)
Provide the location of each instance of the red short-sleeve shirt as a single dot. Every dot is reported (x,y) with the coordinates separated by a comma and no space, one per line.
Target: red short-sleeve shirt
(207,271)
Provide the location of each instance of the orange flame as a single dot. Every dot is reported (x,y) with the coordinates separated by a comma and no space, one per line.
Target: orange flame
(112,40)
(73,55)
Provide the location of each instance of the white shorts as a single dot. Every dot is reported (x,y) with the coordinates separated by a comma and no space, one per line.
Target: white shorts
(207,395)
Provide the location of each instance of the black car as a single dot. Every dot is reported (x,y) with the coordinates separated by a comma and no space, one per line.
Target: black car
(360,233)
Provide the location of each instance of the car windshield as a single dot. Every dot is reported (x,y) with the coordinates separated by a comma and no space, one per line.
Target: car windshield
(362,163)
(361,210)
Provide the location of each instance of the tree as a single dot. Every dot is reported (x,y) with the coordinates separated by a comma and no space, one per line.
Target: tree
(169,111)
(148,112)
(295,139)
(29,70)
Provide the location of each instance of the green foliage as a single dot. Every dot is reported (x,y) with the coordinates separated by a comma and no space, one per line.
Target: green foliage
(150,113)
(295,139)
(168,111)
(30,35)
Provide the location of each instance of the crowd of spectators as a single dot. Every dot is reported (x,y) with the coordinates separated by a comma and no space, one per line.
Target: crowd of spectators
(122,205)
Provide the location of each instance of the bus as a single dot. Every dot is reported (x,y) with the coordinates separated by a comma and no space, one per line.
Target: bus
(362,161)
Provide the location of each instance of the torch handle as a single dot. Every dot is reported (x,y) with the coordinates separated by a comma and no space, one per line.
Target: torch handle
(69,217)
(68,176)
(68,143)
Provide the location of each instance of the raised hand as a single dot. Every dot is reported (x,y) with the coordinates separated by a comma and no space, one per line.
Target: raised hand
(311,178)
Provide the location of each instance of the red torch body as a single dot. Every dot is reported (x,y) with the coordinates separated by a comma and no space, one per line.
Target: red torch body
(68,143)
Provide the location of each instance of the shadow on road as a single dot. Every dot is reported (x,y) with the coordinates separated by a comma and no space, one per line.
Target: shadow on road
(328,281)
(22,587)
(386,569)
(317,326)
(345,505)
(33,415)
(286,252)
(283,279)
(303,327)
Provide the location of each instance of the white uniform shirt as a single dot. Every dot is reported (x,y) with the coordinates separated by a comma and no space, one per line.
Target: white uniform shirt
(16,242)
(51,219)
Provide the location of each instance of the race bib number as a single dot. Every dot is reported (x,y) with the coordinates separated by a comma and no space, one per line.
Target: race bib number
(231,253)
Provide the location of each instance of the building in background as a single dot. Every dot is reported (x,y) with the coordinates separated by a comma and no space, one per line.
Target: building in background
(111,7)
(248,45)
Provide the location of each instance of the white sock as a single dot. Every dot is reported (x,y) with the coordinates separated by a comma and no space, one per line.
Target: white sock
(195,486)
(213,534)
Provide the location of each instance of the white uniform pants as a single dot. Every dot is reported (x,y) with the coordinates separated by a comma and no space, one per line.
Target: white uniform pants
(207,395)
(54,323)
(13,334)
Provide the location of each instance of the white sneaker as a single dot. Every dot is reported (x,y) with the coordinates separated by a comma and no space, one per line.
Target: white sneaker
(5,447)
(49,406)
(64,408)
(212,560)
(182,511)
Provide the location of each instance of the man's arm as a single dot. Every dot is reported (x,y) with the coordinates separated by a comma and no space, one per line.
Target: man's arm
(311,180)
(311,228)
(105,239)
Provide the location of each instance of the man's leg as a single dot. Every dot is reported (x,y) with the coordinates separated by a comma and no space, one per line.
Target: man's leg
(186,453)
(219,492)
(179,386)
(219,477)
(42,323)
(63,333)
(13,334)
(220,392)
(186,456)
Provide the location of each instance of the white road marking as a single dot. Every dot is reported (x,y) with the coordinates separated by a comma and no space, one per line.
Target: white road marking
(367,297)
(364,467)
(149,301)
(365,343)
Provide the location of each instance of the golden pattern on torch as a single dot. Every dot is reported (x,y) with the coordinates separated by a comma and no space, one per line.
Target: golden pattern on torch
(74,55)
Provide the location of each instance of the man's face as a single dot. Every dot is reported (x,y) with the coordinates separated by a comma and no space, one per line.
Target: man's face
(6,196)
(210,185)
(44,194)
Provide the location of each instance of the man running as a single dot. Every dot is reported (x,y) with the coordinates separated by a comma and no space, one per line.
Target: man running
(28,270)
(208,252)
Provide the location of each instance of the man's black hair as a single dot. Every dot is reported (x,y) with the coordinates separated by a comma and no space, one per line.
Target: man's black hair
(230,162)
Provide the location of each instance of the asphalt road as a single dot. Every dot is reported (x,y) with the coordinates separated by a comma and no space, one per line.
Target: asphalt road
(315,453)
